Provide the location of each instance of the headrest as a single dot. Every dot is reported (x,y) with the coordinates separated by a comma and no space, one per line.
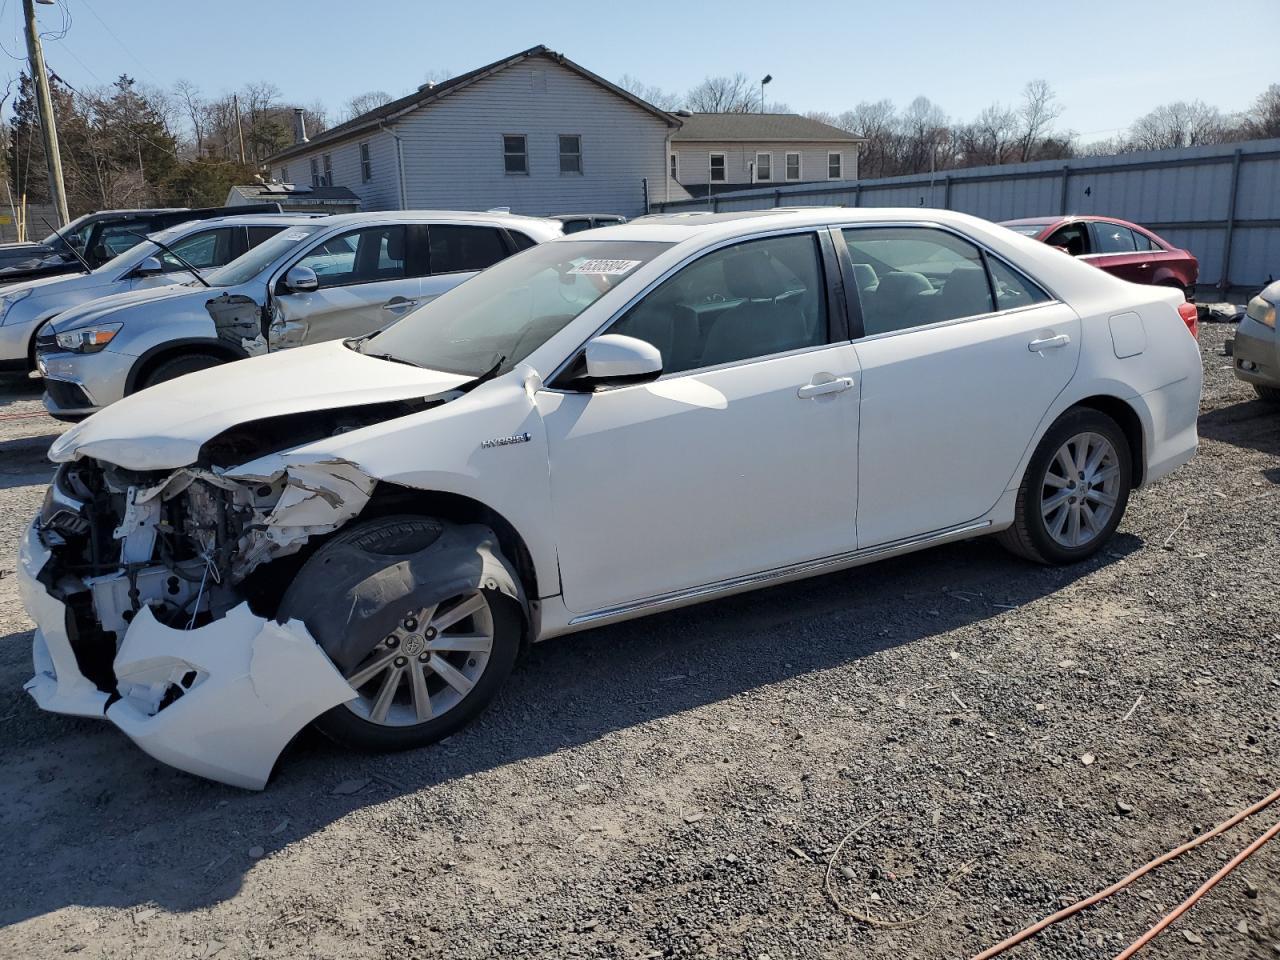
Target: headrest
(901,284)
(864,274)
(395,243)
(747,275)
(966,293)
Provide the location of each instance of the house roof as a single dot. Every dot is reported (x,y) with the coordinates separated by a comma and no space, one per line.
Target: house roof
(287,193)
(757,127)
(427,94)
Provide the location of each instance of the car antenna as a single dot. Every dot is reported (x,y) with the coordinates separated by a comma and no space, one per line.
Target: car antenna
(173,253)
(69,245)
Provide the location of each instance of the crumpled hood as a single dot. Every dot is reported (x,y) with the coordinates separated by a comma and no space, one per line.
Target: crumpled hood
(99,309)
(163,427)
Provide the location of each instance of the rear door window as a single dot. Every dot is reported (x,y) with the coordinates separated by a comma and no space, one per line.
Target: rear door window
(914,276)
(1113,238)
(457,249)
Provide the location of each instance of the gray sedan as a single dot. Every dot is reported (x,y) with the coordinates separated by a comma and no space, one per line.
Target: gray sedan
(1257,347)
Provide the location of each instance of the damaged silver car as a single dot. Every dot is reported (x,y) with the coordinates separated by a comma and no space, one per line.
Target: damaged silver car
(319,280)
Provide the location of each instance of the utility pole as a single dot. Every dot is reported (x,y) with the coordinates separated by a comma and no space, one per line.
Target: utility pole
(235,104)
(52,156)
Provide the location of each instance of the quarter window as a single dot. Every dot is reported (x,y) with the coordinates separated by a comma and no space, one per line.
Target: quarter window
(360,256)
(793,166)
(570,153)
(835,166)
(1014,290)
(764,167)
(515,155)
(455,249)
(717,168)
(752,299)
(915,276)
(366,164)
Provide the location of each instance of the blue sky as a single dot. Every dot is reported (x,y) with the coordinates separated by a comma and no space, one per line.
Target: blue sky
(1108,62)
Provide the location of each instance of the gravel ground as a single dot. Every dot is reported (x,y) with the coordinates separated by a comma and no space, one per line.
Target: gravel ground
(993,738)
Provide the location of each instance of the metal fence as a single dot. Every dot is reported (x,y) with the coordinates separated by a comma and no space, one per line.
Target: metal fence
(1220,202)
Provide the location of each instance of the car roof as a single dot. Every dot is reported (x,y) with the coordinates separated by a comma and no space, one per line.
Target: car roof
(584,216)
(447,216)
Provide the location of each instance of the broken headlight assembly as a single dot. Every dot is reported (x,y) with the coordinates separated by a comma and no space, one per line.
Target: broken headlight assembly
(88,339)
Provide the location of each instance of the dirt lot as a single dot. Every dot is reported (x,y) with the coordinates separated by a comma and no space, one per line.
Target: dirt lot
(675,787)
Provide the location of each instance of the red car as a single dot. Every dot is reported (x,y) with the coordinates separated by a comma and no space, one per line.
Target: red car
(1119,247)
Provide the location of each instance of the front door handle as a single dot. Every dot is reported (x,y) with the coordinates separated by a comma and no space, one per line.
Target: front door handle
(838,385)
(399,303)
(1049,343)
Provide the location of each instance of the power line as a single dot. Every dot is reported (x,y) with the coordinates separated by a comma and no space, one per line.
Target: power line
(123,47)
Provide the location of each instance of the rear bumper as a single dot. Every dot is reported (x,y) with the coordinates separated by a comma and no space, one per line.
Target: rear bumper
(1256,354)
(1171,414)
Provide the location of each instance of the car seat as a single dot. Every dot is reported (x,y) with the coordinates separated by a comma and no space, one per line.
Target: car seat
(758,325)
(898,302)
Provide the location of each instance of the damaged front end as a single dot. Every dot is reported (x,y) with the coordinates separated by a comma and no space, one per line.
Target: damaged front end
(141,585)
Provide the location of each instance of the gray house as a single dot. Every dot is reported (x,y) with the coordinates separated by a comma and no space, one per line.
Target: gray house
(534,132)
(719,152)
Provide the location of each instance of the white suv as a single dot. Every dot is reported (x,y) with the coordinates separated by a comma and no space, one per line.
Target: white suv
(365,533)
(339,276)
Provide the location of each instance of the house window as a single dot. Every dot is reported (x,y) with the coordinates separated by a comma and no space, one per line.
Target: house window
(366,164)
(570,153)
(315,172)
(793,166)
(835,165)
(675,167)
(515,154)
(284,174)
(717,168)
(764,167)
(328,169)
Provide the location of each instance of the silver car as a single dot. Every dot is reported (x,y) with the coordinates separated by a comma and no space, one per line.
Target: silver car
(205,243)
(317,280)
(1256,351)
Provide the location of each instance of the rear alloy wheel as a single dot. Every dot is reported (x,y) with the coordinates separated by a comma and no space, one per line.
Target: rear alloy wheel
(1074,492)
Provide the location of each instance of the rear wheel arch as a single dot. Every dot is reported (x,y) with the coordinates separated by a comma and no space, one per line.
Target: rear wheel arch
(1127,417)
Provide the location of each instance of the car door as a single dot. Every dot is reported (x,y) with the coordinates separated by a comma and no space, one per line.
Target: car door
(458,252)
(367,278)
(741,458)
(954,383)
(1115,250)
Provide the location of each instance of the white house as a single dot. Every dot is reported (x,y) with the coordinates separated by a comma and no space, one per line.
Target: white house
(534,132)
(718,152)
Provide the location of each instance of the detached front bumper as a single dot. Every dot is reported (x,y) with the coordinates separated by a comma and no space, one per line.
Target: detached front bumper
(220,701)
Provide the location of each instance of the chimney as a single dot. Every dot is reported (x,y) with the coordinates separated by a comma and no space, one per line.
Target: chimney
(299,126)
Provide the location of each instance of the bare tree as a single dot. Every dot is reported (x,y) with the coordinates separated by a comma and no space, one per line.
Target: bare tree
(662,99)
(926,136)
(1179,124)
(878,122)
(734,94)
(196,109)
(1039,109)
(364,102)
(1263,119)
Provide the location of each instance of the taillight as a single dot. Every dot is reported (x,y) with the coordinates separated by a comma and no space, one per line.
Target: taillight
(1191,317)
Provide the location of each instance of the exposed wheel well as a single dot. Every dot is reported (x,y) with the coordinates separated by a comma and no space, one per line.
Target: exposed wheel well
(138,375)
(1127,417)
(390,498)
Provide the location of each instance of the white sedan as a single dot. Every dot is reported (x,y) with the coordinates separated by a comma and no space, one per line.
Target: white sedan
(364,533)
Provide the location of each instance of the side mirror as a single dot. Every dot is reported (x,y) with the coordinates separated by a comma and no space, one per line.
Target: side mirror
(614,360)
(148,267)
(301,280)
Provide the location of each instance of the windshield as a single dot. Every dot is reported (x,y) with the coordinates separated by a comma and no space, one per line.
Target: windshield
(77,231)
(262,256)
(1027,229)
(511,309)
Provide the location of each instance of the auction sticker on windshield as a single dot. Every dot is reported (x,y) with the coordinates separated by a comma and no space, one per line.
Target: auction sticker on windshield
(296,236)
(605,268)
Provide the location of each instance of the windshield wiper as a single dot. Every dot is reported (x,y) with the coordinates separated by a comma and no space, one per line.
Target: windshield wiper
(69,245)
(173,253)
(392,357)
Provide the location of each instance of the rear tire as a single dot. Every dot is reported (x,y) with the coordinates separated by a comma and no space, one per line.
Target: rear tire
(1269,394)
(178,366)
(1074,492)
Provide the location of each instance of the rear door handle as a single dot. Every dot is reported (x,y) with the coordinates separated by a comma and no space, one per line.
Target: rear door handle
(838,385)
(399,304)
(1048,343)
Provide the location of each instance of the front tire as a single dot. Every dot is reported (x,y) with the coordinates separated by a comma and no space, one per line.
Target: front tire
(432,667)
(1074,492)
(178,366)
